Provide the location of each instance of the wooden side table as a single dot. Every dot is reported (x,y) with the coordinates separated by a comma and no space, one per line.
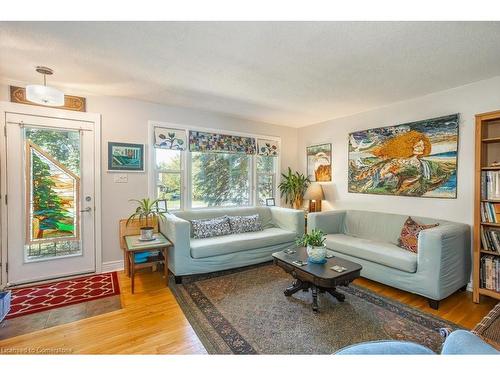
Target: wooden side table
(134,245)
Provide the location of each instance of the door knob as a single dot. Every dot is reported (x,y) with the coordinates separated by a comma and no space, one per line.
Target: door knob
(87,209)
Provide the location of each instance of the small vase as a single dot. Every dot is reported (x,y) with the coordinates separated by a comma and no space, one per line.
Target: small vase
(147,233)
(316,254)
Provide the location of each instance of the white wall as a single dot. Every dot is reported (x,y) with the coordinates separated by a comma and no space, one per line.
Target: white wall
(483,96)
(126,120)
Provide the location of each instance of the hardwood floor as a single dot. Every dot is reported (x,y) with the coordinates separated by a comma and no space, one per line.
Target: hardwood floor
(151,321)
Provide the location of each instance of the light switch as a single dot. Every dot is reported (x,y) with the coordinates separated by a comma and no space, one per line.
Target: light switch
(120,178)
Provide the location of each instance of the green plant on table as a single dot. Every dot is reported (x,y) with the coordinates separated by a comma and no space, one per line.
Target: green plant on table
(146,209)
(293,187)
(315,239)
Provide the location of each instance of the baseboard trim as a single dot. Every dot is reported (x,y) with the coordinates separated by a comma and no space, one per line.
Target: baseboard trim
(116,265)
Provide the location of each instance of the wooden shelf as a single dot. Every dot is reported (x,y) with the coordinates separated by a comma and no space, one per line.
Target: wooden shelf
(491,140)
(491,224)
(491,200)
(489,292)
(489,252)
(490,168)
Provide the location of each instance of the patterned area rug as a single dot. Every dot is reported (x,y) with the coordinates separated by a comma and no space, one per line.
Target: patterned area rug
(62,293)
(246,312)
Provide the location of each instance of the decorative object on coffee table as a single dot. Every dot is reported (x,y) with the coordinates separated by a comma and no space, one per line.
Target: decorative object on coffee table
(314,194)
(134,246)
(315,245)
(317,277)
(146,209)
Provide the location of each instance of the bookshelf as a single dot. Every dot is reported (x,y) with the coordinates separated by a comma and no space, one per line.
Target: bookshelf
(486,200)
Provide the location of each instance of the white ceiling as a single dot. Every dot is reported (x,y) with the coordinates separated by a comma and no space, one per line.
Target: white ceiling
(287,73)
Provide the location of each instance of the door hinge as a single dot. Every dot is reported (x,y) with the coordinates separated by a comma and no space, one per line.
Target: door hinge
(7,267)
(5,131)
(5,199)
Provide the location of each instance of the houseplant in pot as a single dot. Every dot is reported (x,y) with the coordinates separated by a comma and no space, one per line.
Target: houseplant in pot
(146,211)
(315,244)
(292,187)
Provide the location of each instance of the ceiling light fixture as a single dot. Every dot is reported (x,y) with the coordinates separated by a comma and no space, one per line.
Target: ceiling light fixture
(43,94)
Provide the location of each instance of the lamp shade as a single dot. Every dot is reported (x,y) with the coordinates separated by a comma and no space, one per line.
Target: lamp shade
(314,192)
(44,95)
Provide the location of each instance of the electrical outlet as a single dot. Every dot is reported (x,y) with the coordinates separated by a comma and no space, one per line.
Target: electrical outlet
(120,178)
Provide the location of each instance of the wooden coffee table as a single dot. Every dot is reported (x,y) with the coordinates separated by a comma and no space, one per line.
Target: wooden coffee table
(317,277)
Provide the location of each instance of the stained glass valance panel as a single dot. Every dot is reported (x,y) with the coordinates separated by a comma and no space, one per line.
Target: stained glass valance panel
(53,204)
(267,147)
(168,138)
(213,142)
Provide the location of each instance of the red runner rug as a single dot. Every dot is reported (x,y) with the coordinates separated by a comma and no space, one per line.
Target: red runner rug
(62,293)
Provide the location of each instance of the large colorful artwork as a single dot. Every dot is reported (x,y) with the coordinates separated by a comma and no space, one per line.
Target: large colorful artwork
(125,157)
(417,159)
(319,162)
(52,192)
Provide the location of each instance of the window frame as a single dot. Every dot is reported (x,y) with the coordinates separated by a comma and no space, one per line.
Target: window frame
(274,176)
(180,172)
(186,170)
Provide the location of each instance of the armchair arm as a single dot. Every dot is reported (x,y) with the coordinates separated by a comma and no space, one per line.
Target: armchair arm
(178,232)
(289,219)
(444,255)
(329,222)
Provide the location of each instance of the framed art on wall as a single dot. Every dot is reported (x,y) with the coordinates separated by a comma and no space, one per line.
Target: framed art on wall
(319,162)
(417,159)
(125,157)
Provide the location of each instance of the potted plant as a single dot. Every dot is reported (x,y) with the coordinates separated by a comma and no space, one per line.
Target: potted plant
(292,188)
(146,211)
(315,244)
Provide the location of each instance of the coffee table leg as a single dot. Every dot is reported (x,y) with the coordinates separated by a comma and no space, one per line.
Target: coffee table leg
(295,287)
(339,296)
(315,299)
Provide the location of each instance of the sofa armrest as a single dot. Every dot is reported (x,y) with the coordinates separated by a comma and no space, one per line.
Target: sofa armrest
(329,222)
(289,219)
(178,232)
(444,254)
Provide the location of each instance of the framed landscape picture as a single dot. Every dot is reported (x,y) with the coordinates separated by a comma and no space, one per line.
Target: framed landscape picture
(125,157)
(417,159)
(319,162)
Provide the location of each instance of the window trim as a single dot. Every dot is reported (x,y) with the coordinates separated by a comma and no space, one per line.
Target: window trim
(186,159)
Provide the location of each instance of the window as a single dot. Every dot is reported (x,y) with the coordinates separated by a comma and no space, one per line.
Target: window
(169,177)
(266,178)
(220,179)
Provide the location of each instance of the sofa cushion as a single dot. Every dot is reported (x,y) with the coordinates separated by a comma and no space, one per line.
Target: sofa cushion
(409,234)
(383,253)
(204,228)
(209,213)
(242,224)
(209,247)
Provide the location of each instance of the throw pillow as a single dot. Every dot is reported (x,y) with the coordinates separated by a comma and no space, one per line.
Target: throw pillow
(242,224)
(408,239)
(204,228)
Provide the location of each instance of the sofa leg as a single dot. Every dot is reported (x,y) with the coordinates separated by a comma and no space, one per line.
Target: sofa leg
(433,304)
(178,279)
(464,288)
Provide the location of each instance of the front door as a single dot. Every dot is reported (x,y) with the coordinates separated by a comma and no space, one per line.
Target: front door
(50,198)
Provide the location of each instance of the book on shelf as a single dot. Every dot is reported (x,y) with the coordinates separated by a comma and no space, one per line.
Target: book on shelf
(490,212)
(490,185)
(490,239)
(489,274)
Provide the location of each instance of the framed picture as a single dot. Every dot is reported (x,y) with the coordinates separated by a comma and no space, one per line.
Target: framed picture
(270,202)
(161,205)
(416,159)
(125,157)
(319,162)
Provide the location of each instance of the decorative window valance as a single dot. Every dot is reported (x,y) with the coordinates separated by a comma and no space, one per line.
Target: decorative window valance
(172,139)
(213,142)
(267,147)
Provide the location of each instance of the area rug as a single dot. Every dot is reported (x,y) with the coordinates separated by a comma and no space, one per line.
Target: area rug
(57,294)
(246,312)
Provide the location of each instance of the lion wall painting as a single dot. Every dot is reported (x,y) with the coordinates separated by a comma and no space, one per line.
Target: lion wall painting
(319,162)
(418,159)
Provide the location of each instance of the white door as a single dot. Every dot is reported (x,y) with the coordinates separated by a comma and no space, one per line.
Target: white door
(50,198)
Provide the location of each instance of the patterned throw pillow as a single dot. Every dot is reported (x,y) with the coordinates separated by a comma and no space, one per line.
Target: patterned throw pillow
(409,234)
(242,224)
(205,228)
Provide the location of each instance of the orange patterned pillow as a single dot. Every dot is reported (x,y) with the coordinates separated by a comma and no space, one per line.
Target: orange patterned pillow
(409,234)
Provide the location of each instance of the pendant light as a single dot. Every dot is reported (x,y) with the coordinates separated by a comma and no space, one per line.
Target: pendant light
(43,94)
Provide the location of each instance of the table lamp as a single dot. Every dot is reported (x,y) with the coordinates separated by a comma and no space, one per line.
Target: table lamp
(315,195)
